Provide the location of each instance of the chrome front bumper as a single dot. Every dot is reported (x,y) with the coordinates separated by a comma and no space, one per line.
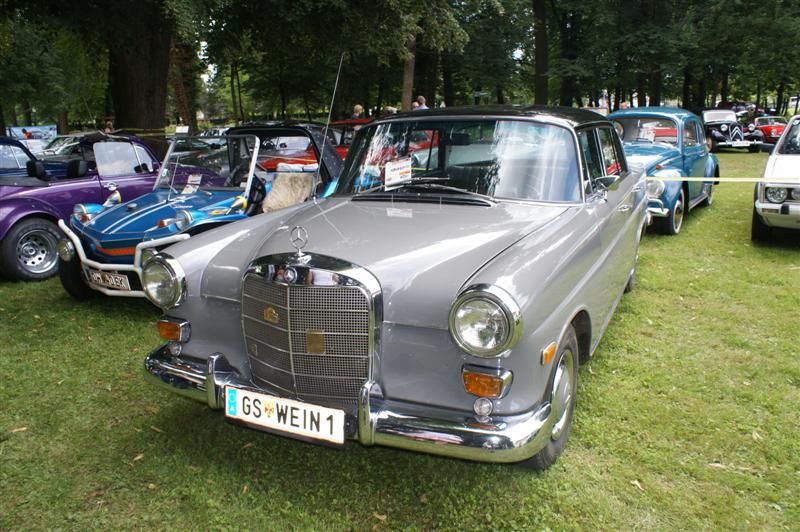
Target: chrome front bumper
(380,422)
(136,267)
(656,209)
(786,215)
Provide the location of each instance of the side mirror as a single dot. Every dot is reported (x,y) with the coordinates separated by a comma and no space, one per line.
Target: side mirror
(607,182)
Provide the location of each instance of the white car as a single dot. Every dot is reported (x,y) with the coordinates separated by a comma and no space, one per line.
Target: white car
(777,197)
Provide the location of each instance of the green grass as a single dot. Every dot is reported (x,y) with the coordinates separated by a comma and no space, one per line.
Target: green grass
(687,417)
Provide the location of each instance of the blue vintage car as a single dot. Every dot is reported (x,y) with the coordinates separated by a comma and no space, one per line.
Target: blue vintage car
(251,170)
(670,144)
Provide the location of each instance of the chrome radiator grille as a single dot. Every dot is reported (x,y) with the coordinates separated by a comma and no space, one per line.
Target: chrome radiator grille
(278,320)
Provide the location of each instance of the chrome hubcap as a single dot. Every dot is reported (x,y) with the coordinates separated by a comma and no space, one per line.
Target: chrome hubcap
(678,217)
(36,251)
(562,393)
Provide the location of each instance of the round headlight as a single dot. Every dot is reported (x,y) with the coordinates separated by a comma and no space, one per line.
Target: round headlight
(723,127)
(162,280)
(655,187)
(485,321)
(183,219)
(751,127)
(776,194)
(66,251)
(796,194)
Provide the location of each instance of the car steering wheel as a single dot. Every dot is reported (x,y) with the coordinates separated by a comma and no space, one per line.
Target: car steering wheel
(238,175)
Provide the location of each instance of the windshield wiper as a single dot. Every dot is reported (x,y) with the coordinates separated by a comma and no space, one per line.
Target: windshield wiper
(424,182)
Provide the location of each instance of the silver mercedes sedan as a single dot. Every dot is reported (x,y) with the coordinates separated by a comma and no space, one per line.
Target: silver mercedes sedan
(441,300)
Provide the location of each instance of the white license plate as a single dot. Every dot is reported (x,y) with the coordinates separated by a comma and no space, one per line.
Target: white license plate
(741,144)
(109,280)
(285,415)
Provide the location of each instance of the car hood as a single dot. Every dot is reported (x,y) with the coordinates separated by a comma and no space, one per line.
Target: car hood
(648,155)
(783,166)
(136,217)
(421,254)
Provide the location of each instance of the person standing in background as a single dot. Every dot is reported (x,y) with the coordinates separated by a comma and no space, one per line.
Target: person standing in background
(358,111)
(421,101)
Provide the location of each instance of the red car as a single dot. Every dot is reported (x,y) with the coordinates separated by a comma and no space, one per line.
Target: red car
(771,126)
(343,132)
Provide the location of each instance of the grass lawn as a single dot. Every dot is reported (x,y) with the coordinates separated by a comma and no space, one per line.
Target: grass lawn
(687,417)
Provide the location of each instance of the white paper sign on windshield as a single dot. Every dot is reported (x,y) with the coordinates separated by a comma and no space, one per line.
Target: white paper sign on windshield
(397,172)
(192,184)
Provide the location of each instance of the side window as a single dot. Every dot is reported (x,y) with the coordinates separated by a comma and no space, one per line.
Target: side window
(611,160)
(590,153)
(689,134)
(144,159)
(12,158)
(115,158)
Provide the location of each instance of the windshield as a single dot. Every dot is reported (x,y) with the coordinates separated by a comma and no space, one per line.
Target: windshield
(211,166)
(647,128)
(770,121)
(283,146)
(719,116)
(791,140)
(512,159)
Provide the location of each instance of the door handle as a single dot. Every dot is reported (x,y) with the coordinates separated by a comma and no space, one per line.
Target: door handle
(638,188)
(624,208)
(110,186)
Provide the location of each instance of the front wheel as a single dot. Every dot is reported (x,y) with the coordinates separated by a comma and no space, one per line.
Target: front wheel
(672,223)
(69,271)
(754,148)
(759,231)
(562,403)
(29,252)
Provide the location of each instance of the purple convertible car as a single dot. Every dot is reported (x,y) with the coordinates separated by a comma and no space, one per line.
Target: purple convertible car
(35,194)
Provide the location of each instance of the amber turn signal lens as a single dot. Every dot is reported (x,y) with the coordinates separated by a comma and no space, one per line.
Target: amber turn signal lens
(169,330)
(482,385)
(548,353)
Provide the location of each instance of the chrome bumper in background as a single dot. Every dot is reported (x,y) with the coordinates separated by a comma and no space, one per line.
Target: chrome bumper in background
(786,215)
(380,422)
(135,267)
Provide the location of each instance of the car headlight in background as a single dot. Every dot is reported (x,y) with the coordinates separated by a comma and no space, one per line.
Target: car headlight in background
(723,127)
(751,128)
(796,194)
(655,187)
(485,321)
(66,251)
(163,281)
(183,219)
(776,194)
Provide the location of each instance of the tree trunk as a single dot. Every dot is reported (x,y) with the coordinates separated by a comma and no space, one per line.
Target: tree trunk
(758,91)
(239,96)
(569,55)
(617,97)
(178,86)
(781,90)
(27,112)
(686,101)
(447,80)
(655,88)
(2,122)
(501,99)
(641,89)
(541,53)
(63,122)
(138,68)
(234,107)
(723,91)
(408,73)
(307,107)
(379,103)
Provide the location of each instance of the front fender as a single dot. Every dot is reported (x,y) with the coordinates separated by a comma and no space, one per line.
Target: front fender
(712,164)
(672,191)
(13,210)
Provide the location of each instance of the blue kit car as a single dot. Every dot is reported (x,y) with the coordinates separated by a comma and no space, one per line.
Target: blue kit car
(670,144)
(251,170)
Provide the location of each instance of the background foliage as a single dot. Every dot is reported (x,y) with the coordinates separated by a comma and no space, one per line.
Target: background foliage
(151,62)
